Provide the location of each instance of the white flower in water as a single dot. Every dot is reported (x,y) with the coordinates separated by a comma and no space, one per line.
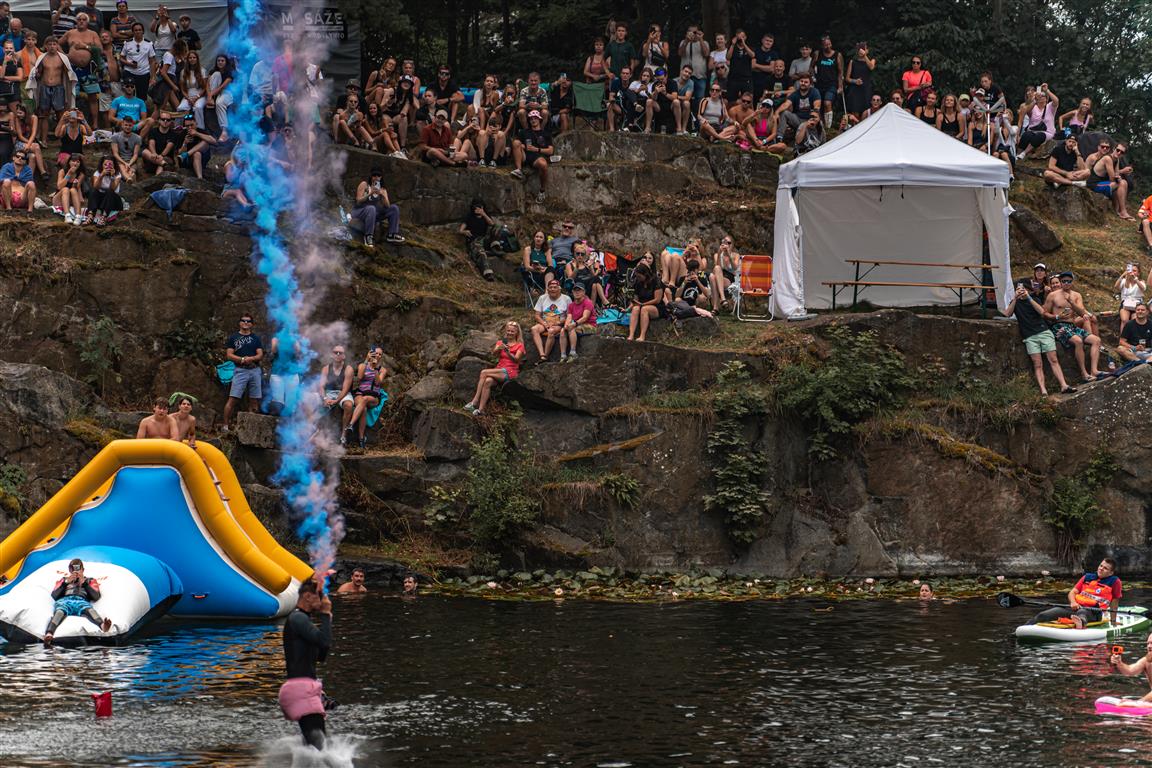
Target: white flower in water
(559,592)
(809,589)
(675,594)
(869,580)
(915,582)
(491,585)
(748,584)
(999,578)
(1045,574)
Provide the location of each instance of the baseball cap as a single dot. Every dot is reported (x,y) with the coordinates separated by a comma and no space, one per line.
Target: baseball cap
(442,113)
(407,79)
(1041,265)
(766,103)
(353,82)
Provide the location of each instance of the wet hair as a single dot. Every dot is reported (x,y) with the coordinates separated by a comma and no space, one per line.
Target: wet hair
(357,570)
(160,402)
(75,562)
(309,587)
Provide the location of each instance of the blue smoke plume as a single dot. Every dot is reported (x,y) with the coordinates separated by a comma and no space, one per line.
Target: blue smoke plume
(275,189)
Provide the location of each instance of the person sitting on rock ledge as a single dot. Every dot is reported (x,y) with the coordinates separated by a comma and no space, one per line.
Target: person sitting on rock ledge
(478,229)
(17,189)
(534,149)
(1066,165)
(1135,342)
(1105,178)
(510,353)
(158,426)
(551,309)
(1144,216)
(437,139)
(581,320)
(372,202)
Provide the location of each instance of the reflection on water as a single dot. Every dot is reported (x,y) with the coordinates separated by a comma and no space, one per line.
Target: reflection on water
(455,682)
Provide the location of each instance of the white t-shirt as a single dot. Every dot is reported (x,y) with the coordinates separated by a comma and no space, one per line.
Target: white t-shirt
(553,310)
(138,56)
(165,35)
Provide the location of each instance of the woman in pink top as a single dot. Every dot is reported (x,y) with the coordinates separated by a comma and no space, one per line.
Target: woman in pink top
(914,82)
(510,351)
(1039,123)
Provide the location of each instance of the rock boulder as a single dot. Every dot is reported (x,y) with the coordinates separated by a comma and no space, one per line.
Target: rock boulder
(1042,236)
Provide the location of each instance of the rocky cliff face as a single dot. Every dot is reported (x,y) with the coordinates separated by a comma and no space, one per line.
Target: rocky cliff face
(945,492)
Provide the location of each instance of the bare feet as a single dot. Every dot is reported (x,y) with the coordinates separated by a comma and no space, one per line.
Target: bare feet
(107,625)
(48,640)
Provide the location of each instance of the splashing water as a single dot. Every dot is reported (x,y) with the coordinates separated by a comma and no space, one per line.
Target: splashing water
(283,193)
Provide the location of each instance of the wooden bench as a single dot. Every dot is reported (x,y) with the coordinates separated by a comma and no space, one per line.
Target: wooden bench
(859,284)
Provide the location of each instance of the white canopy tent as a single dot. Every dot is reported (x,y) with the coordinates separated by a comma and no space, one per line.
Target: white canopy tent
(894,189)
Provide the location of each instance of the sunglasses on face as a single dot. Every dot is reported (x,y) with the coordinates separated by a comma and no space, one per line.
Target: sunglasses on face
(249,322)
(745,101)
(1065,282)
(75,568)
(917,62)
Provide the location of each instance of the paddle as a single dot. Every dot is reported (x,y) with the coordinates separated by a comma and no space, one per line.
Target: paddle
(1009,600)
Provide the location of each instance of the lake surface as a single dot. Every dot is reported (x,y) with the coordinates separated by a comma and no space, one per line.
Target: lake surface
(464,682)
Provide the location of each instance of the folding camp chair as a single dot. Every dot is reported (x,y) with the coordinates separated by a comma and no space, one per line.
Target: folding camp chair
(754,281)
(590,106)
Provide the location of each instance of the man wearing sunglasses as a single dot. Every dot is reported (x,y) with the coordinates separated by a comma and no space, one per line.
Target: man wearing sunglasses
(74,595)
(17,189)
(1106,180)
(448,95)
(160,152)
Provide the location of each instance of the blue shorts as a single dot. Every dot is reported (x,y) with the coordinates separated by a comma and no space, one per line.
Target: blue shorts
(1103,187)
(247,381)
(72,605)
(828,97)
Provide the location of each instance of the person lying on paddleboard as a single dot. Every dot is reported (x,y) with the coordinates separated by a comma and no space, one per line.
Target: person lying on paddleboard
(1096,592)
(1144,665)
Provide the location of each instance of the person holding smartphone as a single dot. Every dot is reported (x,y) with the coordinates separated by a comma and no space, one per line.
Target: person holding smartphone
(371,203)
(1039,341)
(74,595)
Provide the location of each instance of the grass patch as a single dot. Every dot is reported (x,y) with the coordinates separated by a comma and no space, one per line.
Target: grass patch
(93,434)
(903,426)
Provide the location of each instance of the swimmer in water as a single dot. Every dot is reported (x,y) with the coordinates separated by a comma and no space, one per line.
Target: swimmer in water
(410,585)
(302,696)
(355,586)
(1144,665)
(926,592)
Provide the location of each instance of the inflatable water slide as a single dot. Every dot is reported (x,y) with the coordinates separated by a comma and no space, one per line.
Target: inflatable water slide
(163,529)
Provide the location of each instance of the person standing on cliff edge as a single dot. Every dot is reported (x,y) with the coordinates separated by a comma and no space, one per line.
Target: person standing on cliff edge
(305,643)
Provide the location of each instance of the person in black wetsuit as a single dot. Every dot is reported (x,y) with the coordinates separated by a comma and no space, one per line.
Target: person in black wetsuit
(305,643)
(74,595)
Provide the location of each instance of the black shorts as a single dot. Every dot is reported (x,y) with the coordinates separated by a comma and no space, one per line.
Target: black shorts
(530,158)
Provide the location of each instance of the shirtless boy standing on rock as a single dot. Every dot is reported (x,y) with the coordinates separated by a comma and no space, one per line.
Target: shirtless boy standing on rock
(84,52)
(51,85)
(159,425)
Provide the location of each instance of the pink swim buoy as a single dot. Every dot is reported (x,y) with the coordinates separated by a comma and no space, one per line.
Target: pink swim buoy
(103,702)
(1112,705)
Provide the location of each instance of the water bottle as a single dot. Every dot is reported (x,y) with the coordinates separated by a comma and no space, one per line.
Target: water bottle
(344,217)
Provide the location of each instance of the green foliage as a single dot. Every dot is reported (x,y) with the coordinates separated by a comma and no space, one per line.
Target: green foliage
(860,378)
(444,507)
(12,480)
(100,353)
(1073,510)
(498,495)
(193,341)
(737,466)
(624,489)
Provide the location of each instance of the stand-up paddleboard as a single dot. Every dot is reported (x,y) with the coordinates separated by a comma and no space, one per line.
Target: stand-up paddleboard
(1130,620)
(1113,705)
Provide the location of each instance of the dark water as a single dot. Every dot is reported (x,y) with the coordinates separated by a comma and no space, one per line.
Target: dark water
(455,682)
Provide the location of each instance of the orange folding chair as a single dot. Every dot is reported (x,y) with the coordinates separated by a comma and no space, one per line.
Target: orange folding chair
(754,282)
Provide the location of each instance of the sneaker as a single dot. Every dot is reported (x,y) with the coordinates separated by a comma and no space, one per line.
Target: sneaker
(483,163)
(571,357)
(540,197)
(489,275)
(69,218)
(477,413)
(343,441)
(398,155)
(555,159)
(563,358)
(1080,183)
(469,406)
(363,443)
(517,173)
(79,220)
(397,238)
(368,241)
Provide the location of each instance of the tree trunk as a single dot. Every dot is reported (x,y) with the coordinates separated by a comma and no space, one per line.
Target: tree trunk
(506,24)
(715,17)
(453,30)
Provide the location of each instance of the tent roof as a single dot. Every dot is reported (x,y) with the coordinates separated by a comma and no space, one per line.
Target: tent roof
(894,148)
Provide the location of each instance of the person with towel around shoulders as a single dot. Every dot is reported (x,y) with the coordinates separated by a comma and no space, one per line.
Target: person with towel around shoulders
(1096,592)
(302,696)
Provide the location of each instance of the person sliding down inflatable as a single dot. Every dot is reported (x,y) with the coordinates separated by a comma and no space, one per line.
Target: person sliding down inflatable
(302,695)
(1096,592)
(74,595)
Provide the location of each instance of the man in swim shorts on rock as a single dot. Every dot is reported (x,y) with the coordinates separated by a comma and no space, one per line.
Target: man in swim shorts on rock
(302,695)
(74,595)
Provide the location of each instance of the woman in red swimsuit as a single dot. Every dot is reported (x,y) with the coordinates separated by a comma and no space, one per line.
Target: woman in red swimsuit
(510,351)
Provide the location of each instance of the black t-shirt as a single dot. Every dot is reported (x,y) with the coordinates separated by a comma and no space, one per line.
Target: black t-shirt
(476,225)
(558,101)
(1136,334)
(1031,322)
(692,291)
(1065,160)
(244,345)
(538,139)
(775,87)
(305,643)
(803,104)
(444,91)
(827,70)
(162,140)
(192,36)
(740,67)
